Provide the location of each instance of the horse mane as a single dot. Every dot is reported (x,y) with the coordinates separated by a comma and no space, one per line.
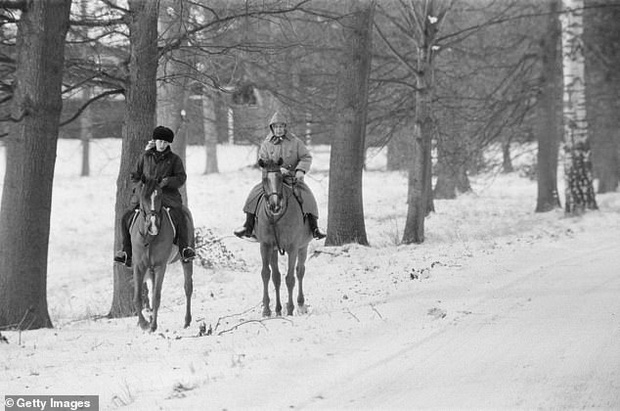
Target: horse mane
(149,185)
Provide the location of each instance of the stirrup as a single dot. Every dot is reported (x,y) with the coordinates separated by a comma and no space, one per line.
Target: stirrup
(123,258)
(188,254)
(317,234)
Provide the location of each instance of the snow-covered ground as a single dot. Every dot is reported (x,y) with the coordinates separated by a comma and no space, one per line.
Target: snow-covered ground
(499,308)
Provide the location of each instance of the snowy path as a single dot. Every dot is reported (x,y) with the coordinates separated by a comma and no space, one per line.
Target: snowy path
(517,336)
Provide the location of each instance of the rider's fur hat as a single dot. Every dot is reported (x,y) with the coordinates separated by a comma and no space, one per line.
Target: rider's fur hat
(163,133)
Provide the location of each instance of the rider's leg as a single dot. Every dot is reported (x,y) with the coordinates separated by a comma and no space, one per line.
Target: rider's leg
(251,203)
(187,252)
(124,255)
(314,227)
(310,209)
(248,227)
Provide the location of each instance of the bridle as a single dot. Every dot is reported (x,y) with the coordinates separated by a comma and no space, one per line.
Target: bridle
(151,213)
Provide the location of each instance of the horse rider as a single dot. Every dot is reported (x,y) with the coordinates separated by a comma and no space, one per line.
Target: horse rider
(160,163)
(296,162)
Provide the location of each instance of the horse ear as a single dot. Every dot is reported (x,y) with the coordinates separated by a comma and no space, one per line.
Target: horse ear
(261,162)
(280,161)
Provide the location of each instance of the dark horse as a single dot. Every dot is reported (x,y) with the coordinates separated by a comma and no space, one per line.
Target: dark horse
(152,239)
(281,228)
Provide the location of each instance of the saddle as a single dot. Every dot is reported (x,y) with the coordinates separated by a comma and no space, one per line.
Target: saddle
(188,218)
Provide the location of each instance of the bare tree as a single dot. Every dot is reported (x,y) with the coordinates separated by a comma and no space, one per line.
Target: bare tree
(602,59)
(346,209)
(31,156)
(429,17)
(549,120)
(579,189)
(141,94)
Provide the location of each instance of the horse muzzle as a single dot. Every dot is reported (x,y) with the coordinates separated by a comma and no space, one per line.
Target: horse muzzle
(275,204)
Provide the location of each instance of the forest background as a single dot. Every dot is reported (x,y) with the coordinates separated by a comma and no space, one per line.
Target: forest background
(436,82)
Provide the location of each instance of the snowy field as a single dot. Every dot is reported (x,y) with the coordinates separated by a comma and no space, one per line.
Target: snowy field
(364,302)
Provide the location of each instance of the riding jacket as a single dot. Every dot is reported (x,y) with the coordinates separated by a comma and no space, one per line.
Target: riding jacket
(289,147)
(165,167)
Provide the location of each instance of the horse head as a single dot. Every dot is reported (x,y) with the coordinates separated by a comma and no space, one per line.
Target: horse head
(272,184)
(150,205)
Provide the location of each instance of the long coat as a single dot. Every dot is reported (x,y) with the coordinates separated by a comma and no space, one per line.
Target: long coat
(159,165)
(295,156)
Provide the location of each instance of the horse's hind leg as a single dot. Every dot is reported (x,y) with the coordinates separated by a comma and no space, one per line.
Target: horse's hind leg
(290,281)
(188,271)
(138,281)
(301,270)
(265,252)
(276,277)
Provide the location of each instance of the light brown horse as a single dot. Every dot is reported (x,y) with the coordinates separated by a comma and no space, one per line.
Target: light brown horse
(281,227)
(152,241)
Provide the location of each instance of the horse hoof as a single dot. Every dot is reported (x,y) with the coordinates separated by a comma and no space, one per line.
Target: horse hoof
(302,310)
(143,324)
(267,313)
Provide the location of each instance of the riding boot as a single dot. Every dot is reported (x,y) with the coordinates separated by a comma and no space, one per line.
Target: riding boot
(314,227)
(248,228)
(124,255)
(187,252)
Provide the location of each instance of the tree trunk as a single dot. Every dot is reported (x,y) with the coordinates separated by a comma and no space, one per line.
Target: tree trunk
(451,169)
(506,160)
(398,150)
(346,207)
(419,188)
(210,127)
(577,165)
(602,52)
(548,123)
(173,94)
(31,157)
(86,124)
(139,122)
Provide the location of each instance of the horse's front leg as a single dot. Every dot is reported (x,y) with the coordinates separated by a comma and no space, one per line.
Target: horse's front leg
(276,277)
(301,270)
(265,253)
(188,271)
(158,281)
(138,281)
(290,280)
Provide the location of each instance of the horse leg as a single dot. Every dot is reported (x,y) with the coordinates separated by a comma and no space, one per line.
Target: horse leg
(290,281)
(301,269)
(276,277)
(158,282)
(138,280)
(147,295)
(188,271)
(265,252)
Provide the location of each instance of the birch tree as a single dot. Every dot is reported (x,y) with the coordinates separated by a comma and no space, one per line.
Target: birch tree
(579,189)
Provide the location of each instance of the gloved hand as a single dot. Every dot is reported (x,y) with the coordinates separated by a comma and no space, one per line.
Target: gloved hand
(149,145)
(164,182)
(299,175)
